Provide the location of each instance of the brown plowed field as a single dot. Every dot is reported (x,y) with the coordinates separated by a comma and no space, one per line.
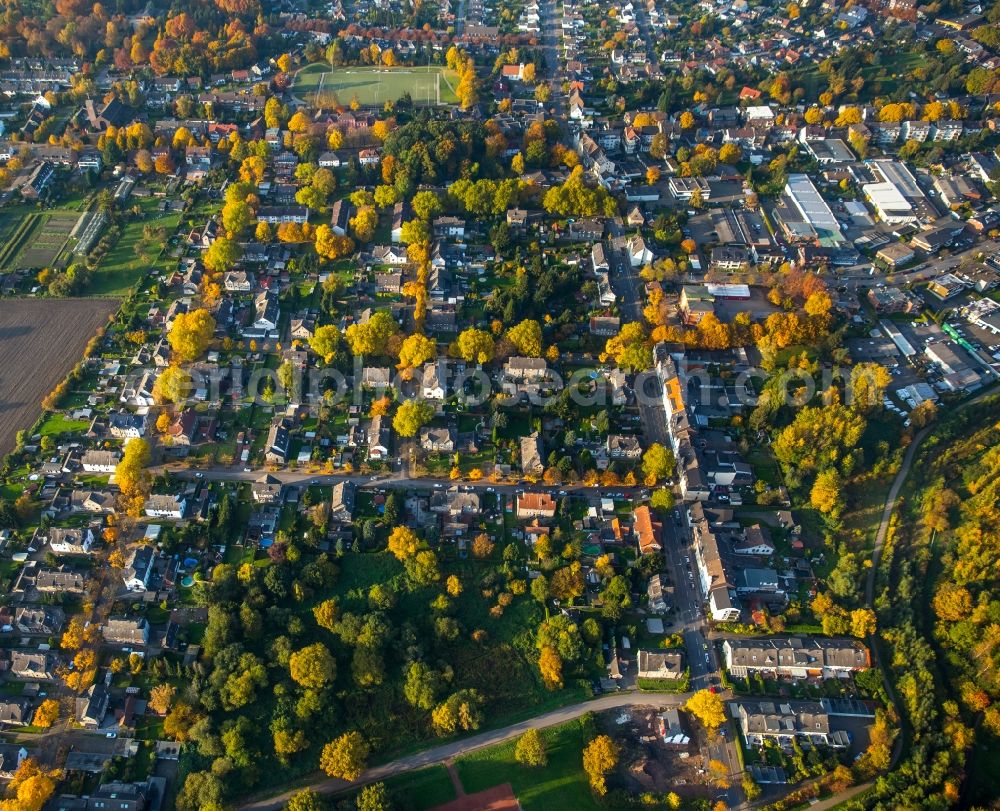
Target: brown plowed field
(40,341)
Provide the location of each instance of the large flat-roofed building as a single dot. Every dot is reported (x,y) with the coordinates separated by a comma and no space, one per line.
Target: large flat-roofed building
(894,194)
(804,215)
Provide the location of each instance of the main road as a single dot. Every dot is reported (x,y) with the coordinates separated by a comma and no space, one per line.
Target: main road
(448,751)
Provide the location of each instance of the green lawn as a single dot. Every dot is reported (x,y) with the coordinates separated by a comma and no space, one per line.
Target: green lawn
(421,790)
(59,423)
(122,267)
(559,786)
(375,85)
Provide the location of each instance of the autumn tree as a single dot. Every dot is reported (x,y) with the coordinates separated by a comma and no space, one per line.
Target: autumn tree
(526,337)
(172,386)
(330,245)
(550,667)
(308,800)
(236,216)
(707,707)
(345,757)
(411,416)
(161,697)
(313,666)
(461,711)
(599,758)
(482,546)
(374,797)
(191,333)
(46,714)
(827,493)
(475,345)
(327,613)
(324,342)
(404,543)
(372,336)
(416,350)
(530,749)
(131,476)
(869,382)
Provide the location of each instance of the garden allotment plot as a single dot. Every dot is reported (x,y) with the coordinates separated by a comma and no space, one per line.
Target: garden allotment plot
(37,240)
(326,86)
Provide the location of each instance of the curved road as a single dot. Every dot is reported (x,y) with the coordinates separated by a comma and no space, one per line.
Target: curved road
(447,751)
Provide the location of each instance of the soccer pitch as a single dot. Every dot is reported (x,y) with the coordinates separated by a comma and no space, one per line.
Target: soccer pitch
(326,86)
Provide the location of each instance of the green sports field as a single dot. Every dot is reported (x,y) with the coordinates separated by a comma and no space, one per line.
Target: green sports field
(325,86)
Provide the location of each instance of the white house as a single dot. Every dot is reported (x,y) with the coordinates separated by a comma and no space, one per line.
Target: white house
(100,461)
(638,253)
(165,506)
(71,541)
(433,384)
(139,568)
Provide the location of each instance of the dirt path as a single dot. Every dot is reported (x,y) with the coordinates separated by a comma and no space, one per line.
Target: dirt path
(456,781)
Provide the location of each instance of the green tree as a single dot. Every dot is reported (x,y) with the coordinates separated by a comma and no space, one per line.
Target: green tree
(422,686)
(658,462)
(222,255)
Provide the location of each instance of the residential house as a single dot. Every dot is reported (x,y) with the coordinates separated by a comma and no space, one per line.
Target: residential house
(638,253)
(33,665)
(278,443)
(123,425)
(267,312)
(659,594)
(437,440)
(448,226)
(434,384)
(238,281)
(15,712)
(93,707)
(535,505)
(623,447)
(160,505)
(342,502)
(665,664)
(379,435)
(71,541)
(128,631)
(59,581)
(755,540)
(139,566)
(95,461)
(39,620)
(267,489)
(647,531)
(531,455)
(340,217)
(525,370)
